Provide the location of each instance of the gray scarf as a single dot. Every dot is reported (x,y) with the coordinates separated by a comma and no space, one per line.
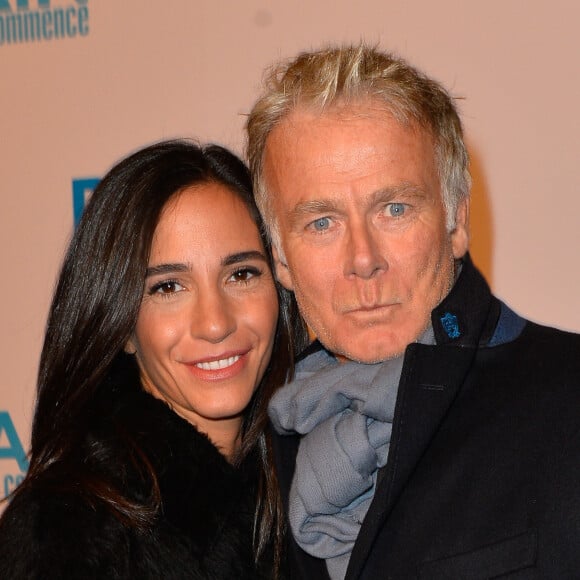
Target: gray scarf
(345,414)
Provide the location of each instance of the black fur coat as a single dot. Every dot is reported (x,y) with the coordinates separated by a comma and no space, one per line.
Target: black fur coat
(204,530)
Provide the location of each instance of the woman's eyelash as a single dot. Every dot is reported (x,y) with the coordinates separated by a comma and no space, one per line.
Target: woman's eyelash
(245,273)
(164,287)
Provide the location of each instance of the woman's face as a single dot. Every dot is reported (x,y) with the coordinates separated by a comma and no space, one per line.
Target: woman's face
(206,325)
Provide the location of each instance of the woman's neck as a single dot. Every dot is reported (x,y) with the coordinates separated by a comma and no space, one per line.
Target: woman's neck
(228,441)
(225,434)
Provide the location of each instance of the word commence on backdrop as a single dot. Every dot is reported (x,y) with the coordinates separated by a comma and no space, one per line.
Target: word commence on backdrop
(20,23)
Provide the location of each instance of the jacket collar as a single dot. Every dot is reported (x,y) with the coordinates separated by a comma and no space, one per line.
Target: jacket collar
(467,316)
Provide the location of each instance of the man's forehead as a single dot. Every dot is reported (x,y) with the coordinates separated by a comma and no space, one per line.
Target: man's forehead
(339,139)
(307,121)
(343,111)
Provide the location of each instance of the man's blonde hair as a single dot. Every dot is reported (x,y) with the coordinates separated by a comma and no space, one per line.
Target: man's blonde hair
(339,75)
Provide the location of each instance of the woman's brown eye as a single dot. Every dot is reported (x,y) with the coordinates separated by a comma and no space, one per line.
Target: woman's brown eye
(166,287)
(245,274)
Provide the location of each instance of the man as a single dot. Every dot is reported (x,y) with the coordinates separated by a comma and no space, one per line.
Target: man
(430,432)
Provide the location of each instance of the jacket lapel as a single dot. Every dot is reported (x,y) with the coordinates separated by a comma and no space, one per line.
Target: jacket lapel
(431,379)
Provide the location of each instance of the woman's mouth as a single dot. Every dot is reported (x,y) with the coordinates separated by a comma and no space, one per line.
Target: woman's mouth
(221,367)
(216,365)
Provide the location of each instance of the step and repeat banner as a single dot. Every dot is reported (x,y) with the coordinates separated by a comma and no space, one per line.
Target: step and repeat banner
(85,82)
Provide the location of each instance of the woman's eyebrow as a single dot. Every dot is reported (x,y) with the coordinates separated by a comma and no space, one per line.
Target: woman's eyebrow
(227,261)
(244,256)
(165,269)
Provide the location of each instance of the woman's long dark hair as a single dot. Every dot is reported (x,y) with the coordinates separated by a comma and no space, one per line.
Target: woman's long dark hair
(95,307)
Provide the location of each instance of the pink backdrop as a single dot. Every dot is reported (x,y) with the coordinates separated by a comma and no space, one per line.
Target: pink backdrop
(124,74)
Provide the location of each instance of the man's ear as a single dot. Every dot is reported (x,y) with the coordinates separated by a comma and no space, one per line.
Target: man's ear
(282,272)
(460,234)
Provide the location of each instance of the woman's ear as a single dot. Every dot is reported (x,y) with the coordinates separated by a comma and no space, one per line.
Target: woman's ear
(130,347)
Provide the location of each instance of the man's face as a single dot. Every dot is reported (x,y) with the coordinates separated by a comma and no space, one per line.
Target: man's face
(362,227)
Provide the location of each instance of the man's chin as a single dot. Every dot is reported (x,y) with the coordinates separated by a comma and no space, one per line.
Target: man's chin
(363,352)
(365,359)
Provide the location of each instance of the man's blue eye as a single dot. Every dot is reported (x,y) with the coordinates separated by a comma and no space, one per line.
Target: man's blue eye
(321,224)
(396,209)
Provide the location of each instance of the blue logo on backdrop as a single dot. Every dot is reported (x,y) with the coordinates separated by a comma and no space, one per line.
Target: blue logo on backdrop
(39,20)
(11,449)
(82,189)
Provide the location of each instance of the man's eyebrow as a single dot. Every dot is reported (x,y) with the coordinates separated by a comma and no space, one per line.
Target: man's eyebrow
(313,206)
(243,257)
(405,189)
(319,206)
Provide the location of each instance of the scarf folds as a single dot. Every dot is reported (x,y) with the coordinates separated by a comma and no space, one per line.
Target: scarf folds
(344,413)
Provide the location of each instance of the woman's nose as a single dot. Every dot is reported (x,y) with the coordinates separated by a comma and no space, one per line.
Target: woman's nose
(214,317)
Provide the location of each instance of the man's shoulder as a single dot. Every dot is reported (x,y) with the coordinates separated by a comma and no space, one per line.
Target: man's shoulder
(541,337)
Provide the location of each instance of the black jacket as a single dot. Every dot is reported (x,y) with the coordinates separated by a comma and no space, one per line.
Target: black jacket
(483,475)
(204,530)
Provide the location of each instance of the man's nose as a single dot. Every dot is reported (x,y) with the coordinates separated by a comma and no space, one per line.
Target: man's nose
(214,317)
(364,255)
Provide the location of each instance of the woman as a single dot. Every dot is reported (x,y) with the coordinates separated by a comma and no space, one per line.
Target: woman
(163,346)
